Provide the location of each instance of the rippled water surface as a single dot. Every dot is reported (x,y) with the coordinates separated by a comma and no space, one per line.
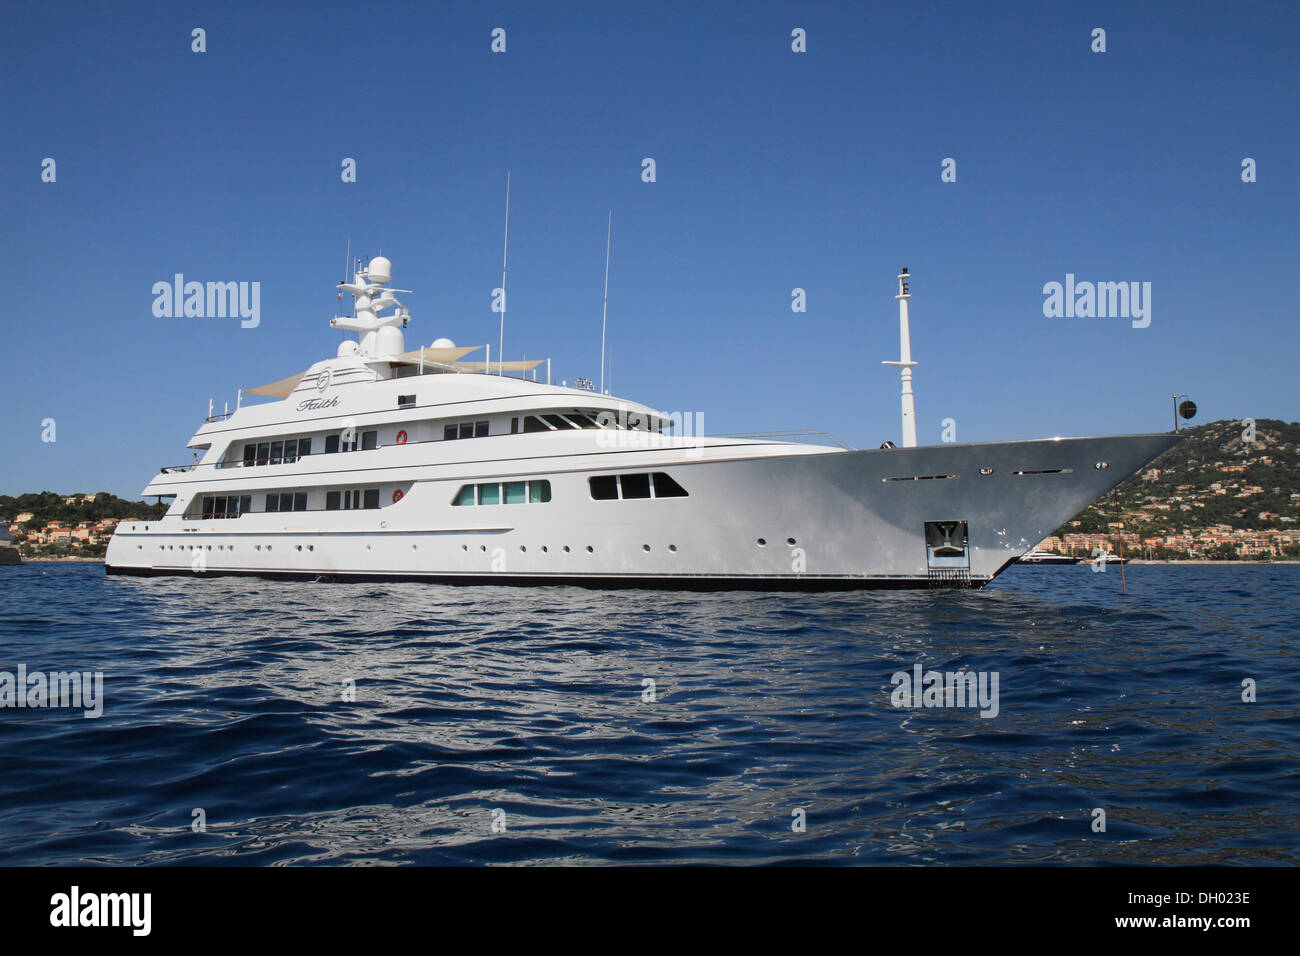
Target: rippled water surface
(228,695)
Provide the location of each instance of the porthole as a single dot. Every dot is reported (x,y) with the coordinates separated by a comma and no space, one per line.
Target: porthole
(482,547)
(311,547)
(545,550)
(299,547)
(415,547)
(791,542)
(762,542)
(139,547)
(268,547)
(464,547)
(566,549)
(1102,465)
(522,548)
(590,549)
(986,471)
(672,547)
(209,547)
(645,547)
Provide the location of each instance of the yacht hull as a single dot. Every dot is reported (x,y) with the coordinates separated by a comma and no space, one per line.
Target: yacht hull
(942,515)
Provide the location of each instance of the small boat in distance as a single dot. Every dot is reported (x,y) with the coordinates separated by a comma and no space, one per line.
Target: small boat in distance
(1038,556)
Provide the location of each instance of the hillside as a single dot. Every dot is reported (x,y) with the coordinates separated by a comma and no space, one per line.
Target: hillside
(1215,488)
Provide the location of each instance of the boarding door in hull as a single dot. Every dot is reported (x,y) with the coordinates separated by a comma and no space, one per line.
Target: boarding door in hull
(947,553)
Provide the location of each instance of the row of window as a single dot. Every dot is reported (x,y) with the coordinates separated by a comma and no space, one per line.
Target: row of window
(276,452)
(465,430)
(288,501)
(504,492)
(656,485)
(546,423)
(289,450)
(226,506)
(350,499)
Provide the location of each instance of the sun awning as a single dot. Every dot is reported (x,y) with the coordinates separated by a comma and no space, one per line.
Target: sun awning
(280,389)
(495,366)
(432,356)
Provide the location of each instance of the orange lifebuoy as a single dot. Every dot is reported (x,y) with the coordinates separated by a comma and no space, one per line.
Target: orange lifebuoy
(401,438)
(397,495)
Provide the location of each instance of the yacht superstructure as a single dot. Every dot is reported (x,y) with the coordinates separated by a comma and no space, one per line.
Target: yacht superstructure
(383,463)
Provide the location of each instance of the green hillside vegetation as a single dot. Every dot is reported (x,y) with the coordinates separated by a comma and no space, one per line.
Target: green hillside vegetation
(1212,478)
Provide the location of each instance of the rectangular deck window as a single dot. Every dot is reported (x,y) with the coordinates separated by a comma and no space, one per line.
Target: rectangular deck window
(635,486)
(603,487)
(516,492)
(489,494)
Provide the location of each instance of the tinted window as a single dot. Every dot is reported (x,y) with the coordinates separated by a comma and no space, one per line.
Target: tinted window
(584,421)
(558,422)
(489,494)
(603,487)
(291,450)
(331,443)
(277,452)
(272,502)
(331,501)
(480,429)
(515,492)
(665,487)
(534,424)
(539,491)
(450,432)
(405,401)
(245,504)
(207,507)
(263,453)
(465,496)
(250,454)
(372,498)
(286,501)
(300,501)
(369,440)
(304,447)
(635,486)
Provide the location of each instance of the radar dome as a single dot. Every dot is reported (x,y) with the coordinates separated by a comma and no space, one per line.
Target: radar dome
(380,270)
(348,347)
(443,344)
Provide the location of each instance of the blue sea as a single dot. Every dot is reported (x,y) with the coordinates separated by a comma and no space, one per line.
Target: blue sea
(252,722)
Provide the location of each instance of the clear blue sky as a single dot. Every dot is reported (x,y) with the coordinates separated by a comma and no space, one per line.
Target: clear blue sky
(775,170)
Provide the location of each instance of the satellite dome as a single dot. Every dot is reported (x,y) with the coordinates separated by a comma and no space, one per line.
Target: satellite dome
(347,347)
(380,270)
(443,344)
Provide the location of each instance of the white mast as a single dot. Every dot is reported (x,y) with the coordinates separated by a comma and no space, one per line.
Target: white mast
(609,231)
(505,245)
(905,363)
